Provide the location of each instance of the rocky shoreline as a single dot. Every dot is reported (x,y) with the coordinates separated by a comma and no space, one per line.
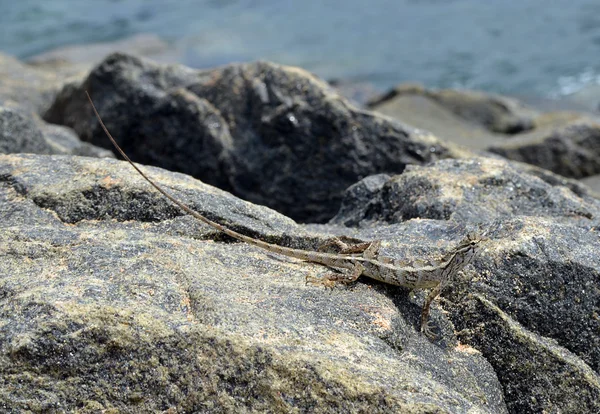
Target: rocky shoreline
(113,299)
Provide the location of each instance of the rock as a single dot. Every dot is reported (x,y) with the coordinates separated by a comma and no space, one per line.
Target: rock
(495,113)
(270,134)
(18,133)
(32,88)
(112,299)
(357,92)
(572,149)
(593,182)
(141,44)
(424,112)
(561,141)
(26,133)
(474,191)
(530,302)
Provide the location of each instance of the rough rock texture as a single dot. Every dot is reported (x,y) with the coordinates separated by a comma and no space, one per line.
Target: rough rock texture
(531,303)
(274,135)
(472,192)
(572,150)
(26,133)
(32,88)
(564,142)
(111,299)
(494,113)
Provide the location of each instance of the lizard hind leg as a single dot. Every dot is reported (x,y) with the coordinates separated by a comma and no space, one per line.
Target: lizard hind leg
(372,251)
(342,247)
(330,279)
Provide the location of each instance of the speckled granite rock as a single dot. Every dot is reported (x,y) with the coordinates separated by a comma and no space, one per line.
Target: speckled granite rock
(271,134)
(531,303)
(571,149)
(27,133)
(111,299)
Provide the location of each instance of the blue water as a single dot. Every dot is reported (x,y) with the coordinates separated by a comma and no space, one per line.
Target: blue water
(520,47)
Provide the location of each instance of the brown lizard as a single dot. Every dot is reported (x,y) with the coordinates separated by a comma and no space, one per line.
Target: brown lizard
(364,260)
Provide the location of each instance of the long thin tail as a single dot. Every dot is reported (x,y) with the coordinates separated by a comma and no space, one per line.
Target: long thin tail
(267,246)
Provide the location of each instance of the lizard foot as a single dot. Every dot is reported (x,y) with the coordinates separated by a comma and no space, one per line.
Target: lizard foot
(427,330)
(330,279)
(320,281)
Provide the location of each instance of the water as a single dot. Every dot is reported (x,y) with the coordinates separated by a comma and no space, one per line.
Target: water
(521,47)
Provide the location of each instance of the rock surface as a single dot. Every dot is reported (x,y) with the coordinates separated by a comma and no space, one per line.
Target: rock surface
(564,142)
(532,303)
(111,299)
(495,113)
(274,135)
(571,150)
(27,133)
(33,89)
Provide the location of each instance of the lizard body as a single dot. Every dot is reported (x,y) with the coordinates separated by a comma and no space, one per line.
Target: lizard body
(364,261)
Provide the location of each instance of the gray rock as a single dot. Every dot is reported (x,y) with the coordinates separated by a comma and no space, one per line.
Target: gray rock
(141,44)
(26,133)
(495,113)
(593,182)
(571,149)
(424,112)
(33,89)
(63,140)
(111,299)
(270,134)
(530,303)
(19,133)
(474,191)
(532,310)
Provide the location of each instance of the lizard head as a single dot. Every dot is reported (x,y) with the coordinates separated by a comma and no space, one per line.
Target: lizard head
(464,252)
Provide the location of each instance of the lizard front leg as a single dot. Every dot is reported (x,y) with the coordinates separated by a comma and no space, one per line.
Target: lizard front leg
(425,323)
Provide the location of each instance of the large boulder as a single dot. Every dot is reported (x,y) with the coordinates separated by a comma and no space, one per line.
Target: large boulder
(111,299)
(530,303)
(270,134)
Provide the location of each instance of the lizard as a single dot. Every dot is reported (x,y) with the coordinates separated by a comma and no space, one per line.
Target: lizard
(362,260)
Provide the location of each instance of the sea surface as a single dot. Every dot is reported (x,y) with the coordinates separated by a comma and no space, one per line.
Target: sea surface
(537,48)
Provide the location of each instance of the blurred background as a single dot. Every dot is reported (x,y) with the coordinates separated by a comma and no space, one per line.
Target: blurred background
(537,50)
